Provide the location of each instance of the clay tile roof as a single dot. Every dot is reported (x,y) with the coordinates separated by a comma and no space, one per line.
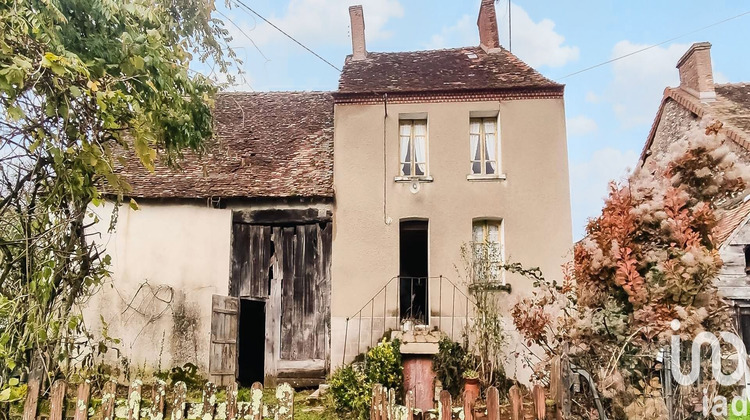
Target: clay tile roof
(454,69)
(729,221)
(271,144)
(732,105)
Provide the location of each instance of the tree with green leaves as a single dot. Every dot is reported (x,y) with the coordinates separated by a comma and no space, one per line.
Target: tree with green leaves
(80,81)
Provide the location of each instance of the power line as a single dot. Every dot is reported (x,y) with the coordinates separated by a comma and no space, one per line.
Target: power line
(245,6)
(655,45)
(244,33)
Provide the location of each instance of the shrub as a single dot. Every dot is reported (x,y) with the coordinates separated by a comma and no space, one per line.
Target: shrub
(449,364)
(351,385)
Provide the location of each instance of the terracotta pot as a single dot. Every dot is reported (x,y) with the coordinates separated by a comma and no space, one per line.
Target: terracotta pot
(471,388)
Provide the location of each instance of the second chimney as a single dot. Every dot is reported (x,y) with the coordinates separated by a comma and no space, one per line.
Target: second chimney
(357,16)
(696,75)
(489,37)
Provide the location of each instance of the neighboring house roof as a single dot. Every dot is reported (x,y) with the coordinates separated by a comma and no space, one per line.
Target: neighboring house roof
(732,108)
(270,144)
(447,71)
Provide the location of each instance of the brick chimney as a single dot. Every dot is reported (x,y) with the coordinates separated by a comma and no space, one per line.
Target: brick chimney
(696,76)
(357,16)
(489,37)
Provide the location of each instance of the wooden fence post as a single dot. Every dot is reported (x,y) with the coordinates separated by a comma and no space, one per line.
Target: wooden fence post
(109,394)
(470,400)
(256,396)
(285,395)
(82,401)
(158,393)
(57,400)
(493,403)
(134,400)
(209,401)
(516,403)
(32,398)
(375,402)
(232,400)
(410,405)
(446,406)
(180,395)
(540,402)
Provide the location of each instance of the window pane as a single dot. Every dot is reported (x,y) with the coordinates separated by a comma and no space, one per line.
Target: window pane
(490,167)
(405,128)
(420,128)
(478,232)
(476,154)
(476,168)
(489,126)
(406,169)
(494,233)
(474,127)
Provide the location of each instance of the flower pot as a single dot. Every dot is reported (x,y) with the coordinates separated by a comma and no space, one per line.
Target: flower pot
(471,388)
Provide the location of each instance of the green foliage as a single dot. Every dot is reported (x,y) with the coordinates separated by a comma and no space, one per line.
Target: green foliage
(80,81)
(351,385)
(187,373)
(451,361)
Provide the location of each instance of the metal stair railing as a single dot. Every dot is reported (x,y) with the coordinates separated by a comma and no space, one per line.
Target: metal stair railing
(456,293)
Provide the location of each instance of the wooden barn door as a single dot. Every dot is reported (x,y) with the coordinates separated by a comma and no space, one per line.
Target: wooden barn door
(222,360)
(287,266)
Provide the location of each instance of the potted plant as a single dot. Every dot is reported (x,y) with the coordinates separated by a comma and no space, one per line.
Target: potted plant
(471,384)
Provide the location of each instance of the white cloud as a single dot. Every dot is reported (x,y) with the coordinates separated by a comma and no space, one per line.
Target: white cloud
(536,43)
(590,179)
(592,98)
(640,79)
(318,22)
(463,33)
(581,125)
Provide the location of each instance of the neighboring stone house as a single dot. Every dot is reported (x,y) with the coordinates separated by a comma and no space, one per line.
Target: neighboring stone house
(319,221)
(683,108)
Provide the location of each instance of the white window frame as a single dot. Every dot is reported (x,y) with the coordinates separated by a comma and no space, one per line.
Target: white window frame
(485,224)
(412,162)
(482,142)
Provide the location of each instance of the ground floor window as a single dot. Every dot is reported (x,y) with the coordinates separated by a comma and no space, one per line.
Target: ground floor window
(488,248)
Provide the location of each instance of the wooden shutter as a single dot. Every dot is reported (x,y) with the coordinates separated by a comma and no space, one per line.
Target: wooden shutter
(222,359)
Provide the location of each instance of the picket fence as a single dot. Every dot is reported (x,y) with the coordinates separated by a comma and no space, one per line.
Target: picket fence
(162,406)
(533,406)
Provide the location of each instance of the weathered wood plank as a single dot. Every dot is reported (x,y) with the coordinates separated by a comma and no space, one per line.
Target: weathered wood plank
(179,401)
(57,400)
(232,389)
(273,310)
(240,261)
(540,402)
(516,403)
(109,394)
(285,396)
(323,299)
(209,401)
(409,402)
(287,293)
(222,363)
(375,402)
(134,400)
(82,401)
(493,403)
(470,400)
(32,398)
(446,406)
(256,397)
(276,217)
(158,396)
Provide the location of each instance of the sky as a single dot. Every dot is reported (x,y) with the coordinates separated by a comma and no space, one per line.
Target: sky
(609,109)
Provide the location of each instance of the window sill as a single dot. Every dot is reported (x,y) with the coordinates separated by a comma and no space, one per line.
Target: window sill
(498,177)
(413,178)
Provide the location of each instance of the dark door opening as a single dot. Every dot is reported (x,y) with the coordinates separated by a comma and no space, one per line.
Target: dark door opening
(413,270)
(252,342)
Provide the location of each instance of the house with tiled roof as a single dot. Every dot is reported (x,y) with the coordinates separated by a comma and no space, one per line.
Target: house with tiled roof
(684,107)
(316,223)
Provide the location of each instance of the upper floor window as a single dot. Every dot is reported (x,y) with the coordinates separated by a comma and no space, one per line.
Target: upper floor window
(413,153)
(484,146)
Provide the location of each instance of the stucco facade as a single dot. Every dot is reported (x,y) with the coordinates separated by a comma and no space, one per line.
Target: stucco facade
(532,200)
